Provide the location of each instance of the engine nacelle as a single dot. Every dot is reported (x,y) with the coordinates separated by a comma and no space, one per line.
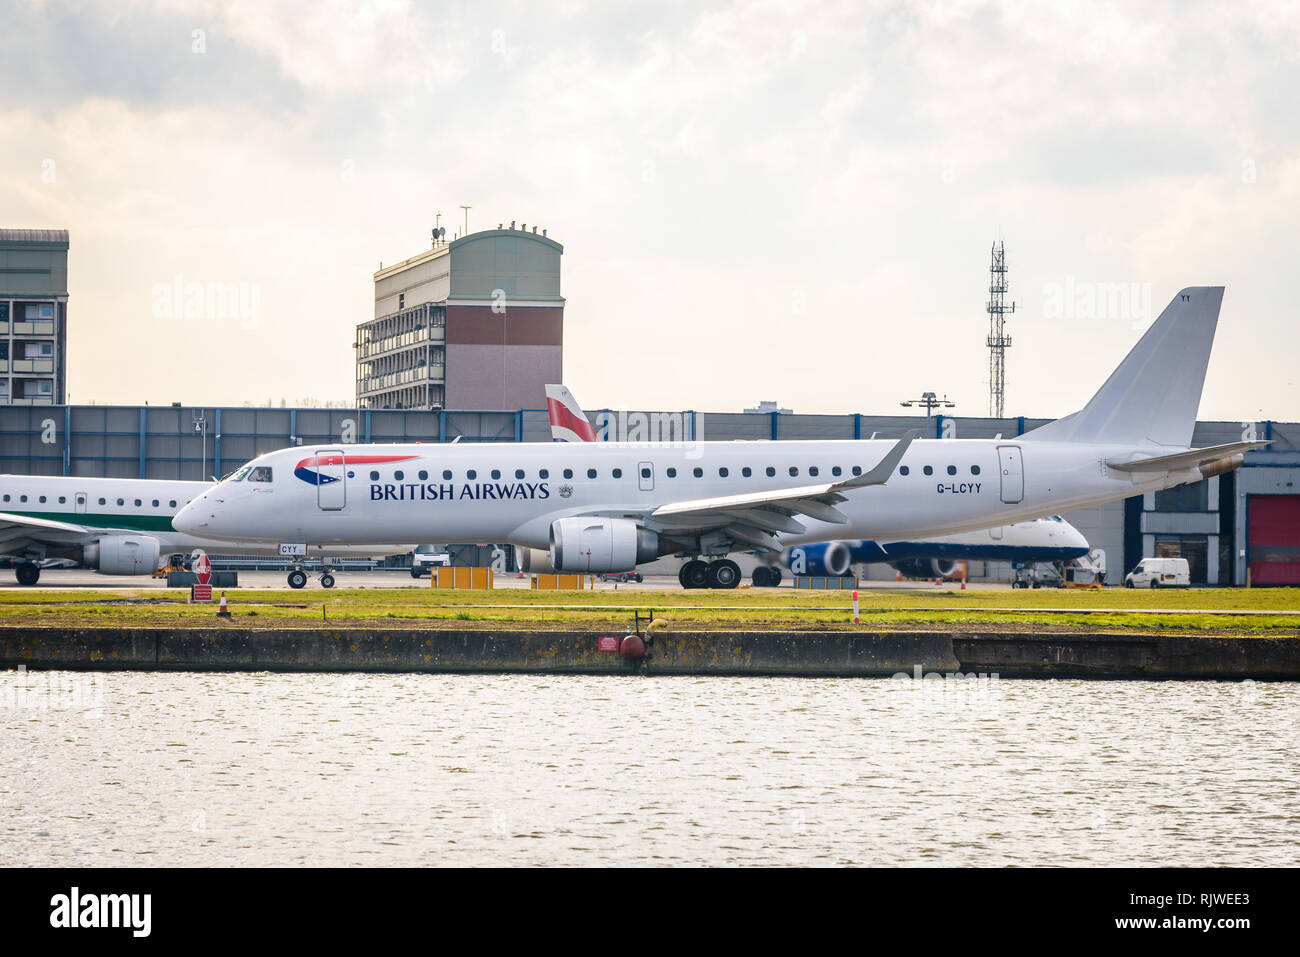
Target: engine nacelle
(122,555)
(928,567)
(601,545)
(535,561)
(825,558)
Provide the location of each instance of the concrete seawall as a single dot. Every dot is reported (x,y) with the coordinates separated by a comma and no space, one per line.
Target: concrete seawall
(846,653)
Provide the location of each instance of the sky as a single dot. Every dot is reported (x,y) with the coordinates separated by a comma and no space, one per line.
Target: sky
(757,200)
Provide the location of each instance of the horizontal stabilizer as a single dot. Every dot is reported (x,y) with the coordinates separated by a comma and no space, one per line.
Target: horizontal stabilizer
(1186,460)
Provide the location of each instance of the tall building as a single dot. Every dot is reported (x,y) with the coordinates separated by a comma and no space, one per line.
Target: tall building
(476,323)
(33,316)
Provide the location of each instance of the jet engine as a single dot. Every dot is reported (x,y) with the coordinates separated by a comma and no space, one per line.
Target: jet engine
(122,555)
(601,545)
(826,558)
(928,567)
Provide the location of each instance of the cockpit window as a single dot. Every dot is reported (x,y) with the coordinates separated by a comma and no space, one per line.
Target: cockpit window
(239,474)
(260,474)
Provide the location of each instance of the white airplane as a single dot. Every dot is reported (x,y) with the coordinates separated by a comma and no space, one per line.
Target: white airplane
(606,506)
(1050,539)
(119,526)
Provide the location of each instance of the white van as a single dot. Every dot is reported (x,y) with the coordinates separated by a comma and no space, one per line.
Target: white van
(1159,573)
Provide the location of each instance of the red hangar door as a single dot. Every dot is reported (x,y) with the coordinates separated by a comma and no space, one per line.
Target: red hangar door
(1274,537)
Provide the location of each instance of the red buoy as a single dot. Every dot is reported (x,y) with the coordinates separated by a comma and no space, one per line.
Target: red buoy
(632,647)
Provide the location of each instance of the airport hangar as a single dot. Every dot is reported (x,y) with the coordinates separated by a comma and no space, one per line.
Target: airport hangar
(1225,525)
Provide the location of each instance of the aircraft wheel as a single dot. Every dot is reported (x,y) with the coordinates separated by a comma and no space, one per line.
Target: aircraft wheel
(297,578)
(28,573)
(694,574)
(723,574)
(327,580)
(762,577)
(775,576)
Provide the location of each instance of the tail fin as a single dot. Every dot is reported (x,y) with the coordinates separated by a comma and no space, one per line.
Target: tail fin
(568,421)
(1152,397)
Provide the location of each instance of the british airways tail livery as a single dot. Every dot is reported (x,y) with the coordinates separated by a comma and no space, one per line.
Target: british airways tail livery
(606,506)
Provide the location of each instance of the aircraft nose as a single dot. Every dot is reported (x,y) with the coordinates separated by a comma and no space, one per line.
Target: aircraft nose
(193,518)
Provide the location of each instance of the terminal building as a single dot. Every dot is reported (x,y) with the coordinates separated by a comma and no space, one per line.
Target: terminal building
(475,323)
(33,316)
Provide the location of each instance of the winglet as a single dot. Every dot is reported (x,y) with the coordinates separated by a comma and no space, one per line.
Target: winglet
(885,467)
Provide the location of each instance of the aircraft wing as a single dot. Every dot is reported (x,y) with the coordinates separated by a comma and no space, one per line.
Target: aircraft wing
(753,518)
(17,531)
(1186,460)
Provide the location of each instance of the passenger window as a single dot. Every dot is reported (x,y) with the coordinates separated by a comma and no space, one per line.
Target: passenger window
(835,470)
(697,472)
(928,470)
(903,470)
(471,474)
(64,498)
(446,475)
(42,499)
(794,470)
(263,474)
(543,473)
(172,503)
(23,498)
(770,471)
(424,476)
(7,498)
(591,473)
(519,473)
(747,471)
(119,501)
(155,503)
(618,473)
(137,503)
(672,472)
(645,473)
(101,501)
(812,470)
(857,470)
(496,473)
(568,473)
(722,472)
(397,475)
(374,476)
(952,470)
(974,470)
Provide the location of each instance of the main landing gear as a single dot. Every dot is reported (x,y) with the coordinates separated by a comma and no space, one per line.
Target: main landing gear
(765,576)
(298,578)
(724,573)
(28,573)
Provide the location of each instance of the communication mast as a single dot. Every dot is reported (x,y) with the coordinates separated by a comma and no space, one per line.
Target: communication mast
(999,341)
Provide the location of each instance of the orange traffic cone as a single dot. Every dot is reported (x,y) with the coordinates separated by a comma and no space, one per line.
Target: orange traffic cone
(221,611)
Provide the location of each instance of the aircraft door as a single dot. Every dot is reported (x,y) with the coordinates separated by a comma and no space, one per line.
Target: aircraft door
(1013,476)
(81,503)
(645,476)
(331,480)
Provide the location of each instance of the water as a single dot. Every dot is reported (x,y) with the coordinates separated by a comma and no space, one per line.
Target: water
(261,769)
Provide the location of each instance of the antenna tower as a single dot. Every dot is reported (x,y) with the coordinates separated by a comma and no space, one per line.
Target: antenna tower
(999,341)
